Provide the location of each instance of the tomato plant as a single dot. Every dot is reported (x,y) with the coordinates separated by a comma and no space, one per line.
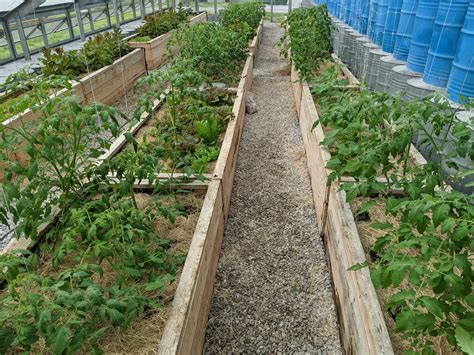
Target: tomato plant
(309,38)
(243,17)
(427,256)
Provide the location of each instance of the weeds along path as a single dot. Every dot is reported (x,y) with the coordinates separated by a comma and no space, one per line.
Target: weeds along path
(273,291)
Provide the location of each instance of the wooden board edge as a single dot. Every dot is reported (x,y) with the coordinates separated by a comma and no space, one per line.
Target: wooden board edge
(363,327)
(351,77)
(185,328)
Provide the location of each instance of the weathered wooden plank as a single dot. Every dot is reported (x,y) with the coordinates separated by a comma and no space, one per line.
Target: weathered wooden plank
(227,160)
(186,326)
(353,81)
(107,84)
(363,328)
(297,87)
(157,49)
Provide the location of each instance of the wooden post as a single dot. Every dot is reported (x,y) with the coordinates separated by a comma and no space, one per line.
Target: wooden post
(116,13)
(142,9)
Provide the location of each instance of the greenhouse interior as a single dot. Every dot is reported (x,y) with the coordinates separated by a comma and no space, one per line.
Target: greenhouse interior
(237,176)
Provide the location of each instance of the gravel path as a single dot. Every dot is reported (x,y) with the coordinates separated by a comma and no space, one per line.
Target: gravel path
(273,292)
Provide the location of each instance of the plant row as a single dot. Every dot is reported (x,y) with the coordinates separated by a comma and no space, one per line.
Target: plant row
(424,256)
(102,264)
(59,65)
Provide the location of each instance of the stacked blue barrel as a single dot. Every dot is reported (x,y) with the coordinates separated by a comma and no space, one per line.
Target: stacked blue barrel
(433,39)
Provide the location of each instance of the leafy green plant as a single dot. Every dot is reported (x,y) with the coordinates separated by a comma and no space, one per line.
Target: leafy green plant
(161,23)
(243,18)
(99,51)
(103,49)
(57,61)
(208,129)
(212,50)
(308,36)
(101,264)
(427,255)
(190,102)
(25,91)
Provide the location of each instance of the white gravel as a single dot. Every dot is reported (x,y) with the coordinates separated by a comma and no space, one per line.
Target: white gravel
(273,291)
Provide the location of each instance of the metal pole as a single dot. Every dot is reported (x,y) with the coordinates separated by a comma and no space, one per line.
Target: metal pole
(116,13)
(91,18)
(271,11)
(142,9)
(289,7)
(216,16)
(79,21)
(10,40)
(43,31)
(174,4)
(160,5)
(21,33)
(69,24)
(107,14)
(196,5)
(152,2)
(134,9)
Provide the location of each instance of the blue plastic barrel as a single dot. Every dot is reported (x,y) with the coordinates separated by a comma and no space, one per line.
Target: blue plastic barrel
(444,43)
(357,14)
(347,10)
(364,19)
(461,79)
(391,25)
(422,33)
(374,5)
(352,13)
(405,29)
(380,22)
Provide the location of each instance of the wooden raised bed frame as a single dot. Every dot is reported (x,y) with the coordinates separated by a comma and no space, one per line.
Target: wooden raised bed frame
(185,328)
(156,49)
(362,325)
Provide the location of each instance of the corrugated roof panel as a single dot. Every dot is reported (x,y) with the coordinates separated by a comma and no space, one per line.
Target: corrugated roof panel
(9,5)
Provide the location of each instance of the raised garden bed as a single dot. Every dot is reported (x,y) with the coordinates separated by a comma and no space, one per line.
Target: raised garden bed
(156,49)
(363,328)
(186,317)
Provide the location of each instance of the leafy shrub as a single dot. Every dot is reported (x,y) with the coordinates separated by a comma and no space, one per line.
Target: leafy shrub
(103,49)
(99,51)
(215,51)
(60,62)
(161,23)
(243,17)
(309,38)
